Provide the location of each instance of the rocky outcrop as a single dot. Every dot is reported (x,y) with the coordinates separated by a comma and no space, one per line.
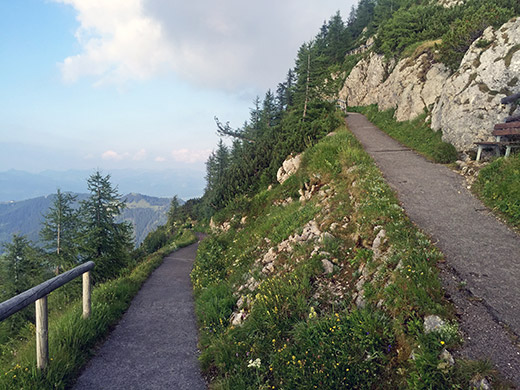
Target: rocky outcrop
(464,105)
(412,85)
(469,104)
(288,168)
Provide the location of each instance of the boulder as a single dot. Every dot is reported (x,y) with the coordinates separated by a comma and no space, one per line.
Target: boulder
(328,267)
(288,168)
(433,323)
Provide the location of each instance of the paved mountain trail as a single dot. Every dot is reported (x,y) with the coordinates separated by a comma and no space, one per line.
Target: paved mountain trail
(482,270)
(154,346)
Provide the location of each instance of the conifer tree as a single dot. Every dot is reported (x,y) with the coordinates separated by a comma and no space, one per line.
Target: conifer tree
(21,267)
(105,241)
(60,232)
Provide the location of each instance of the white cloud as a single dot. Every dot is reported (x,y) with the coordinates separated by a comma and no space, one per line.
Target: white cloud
(227,44)
(190,156)
(112,155)
(118,42)
(160,159)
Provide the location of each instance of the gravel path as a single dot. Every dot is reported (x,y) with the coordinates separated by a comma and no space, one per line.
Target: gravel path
(154,346)
(481,253)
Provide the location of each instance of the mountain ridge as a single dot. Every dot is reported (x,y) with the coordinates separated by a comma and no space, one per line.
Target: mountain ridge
(144,212)
(18,185)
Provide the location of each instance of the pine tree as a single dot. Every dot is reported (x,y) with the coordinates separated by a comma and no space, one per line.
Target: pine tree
(105,241)
(60,232)
(21,267)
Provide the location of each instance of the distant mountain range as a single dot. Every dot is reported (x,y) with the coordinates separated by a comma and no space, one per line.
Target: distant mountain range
(144,212)
(19,185)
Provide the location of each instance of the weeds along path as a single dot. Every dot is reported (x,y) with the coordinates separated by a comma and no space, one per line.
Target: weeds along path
(482,270)
(154,346)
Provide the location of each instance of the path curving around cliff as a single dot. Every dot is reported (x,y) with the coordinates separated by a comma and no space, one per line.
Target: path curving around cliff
(154,346)
(482,254)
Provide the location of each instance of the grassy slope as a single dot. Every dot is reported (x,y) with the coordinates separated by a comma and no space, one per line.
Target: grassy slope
(70,337)
(303,325)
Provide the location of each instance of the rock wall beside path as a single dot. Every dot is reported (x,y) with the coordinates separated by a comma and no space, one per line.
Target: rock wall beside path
(464,105)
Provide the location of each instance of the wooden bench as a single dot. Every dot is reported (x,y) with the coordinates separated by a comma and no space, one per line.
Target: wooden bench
(510,130)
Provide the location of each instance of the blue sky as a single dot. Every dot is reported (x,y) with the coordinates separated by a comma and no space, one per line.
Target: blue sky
(111,84)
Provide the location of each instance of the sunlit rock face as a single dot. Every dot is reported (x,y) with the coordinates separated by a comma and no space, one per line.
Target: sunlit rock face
(464,105)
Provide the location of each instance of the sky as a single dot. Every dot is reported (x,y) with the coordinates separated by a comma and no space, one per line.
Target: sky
(135,84)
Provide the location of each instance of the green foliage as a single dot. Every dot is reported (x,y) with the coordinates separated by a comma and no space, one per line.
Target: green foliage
(104,241)
(342,350)
(415,134)
(60,231)
(22,266)
(475,18)
(498,185)
(155,240)
(411,25)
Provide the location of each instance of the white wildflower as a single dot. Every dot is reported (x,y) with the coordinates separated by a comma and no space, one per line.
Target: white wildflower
(255,363)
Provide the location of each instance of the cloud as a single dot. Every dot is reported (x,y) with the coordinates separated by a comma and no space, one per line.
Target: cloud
(228,44)
(159,159)
(119,42)
(111,155)
(190,156)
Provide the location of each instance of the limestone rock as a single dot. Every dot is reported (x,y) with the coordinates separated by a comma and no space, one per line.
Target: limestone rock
(238,318)
(360,300)
(324,237)
(269,257)
(433,323)
(412,85)
(464,105)
(328,267)
(380,239)
(469,104)
(288,168)
(480,384)
(447,357)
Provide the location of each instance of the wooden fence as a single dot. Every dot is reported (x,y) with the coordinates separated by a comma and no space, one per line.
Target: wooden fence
(38,295)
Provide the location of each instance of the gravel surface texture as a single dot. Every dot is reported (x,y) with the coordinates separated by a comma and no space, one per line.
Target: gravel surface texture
(482,271)
(154,346)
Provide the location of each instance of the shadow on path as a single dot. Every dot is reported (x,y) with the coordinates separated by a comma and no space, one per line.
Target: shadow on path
(480,251)
(154,346)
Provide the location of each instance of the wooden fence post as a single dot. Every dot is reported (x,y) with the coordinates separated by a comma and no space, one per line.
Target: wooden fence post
(86,294)
(42,334)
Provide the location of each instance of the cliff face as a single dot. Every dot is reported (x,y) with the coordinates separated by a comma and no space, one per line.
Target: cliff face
(464,105)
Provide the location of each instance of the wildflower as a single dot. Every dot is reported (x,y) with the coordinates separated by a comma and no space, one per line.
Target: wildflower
(255,363)
(312,313)
(442,342)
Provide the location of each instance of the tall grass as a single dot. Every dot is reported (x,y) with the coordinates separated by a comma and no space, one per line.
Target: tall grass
(71,339)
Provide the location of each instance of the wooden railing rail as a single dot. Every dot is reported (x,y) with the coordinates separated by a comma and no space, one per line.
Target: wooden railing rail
(38,295)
